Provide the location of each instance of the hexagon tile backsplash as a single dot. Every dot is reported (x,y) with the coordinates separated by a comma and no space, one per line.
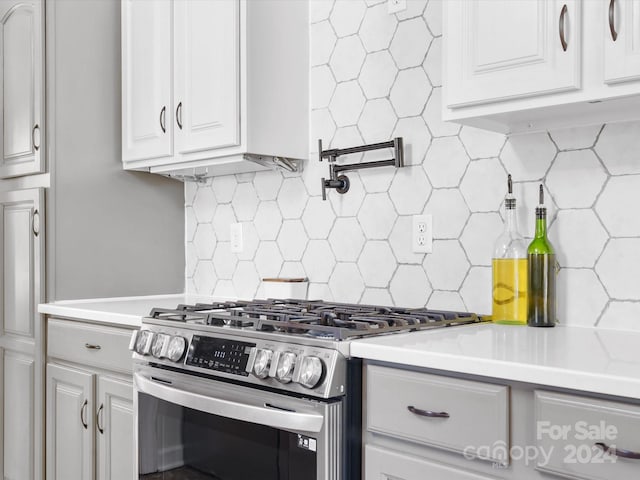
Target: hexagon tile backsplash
(375,76)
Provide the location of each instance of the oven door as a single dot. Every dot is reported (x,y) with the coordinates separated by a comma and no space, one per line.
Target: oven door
(194,428)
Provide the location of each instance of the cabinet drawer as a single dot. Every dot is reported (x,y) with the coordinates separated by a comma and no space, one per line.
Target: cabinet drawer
(399,403)
(569,427)
(78,342)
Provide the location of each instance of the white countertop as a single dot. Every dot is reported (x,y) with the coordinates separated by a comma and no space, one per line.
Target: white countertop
(587,359)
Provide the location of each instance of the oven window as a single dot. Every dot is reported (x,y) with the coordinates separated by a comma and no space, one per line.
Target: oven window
(178,443)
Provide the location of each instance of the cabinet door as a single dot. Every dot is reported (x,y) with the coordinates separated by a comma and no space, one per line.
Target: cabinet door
(70,424)
(114,420)
(621,40)
(501,49)
(207,55)
(147,112)
(21,261)
(21,74)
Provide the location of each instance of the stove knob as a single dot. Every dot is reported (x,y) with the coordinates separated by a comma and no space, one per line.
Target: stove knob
(262,363)
(286,363)
(159,342)
(143,342)
(311,371)
(176,349)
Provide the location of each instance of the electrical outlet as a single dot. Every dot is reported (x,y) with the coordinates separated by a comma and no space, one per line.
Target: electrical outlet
(235,234)
(422,234)
(395,6)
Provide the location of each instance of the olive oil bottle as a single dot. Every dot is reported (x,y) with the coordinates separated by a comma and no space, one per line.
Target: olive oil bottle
(509,269)
(542,273)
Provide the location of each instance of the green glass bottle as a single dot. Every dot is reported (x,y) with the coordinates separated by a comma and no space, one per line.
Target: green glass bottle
(542,274)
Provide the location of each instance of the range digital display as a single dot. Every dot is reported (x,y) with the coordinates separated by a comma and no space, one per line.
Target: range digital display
(219,354)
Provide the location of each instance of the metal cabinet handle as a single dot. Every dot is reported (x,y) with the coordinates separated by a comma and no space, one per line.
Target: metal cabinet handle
(563,14)
(618,452)
(98,422)
(35,128)
(612,20)
(92,346)
(163,115)
(427,413)
(83,414)
(35,223)
(179,115)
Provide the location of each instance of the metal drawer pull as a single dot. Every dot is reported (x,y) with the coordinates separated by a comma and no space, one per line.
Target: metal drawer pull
(163,114)
(427,413)
(612,20)
(91,346)
(100,428)
(33,137)
(563,14)
(35,223)
(83,414)
(179,115)
(618,452)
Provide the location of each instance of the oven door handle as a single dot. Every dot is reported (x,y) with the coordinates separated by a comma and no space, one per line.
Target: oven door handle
(269,416)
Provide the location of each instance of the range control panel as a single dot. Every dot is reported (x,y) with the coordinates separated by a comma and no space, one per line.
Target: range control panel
(219,354)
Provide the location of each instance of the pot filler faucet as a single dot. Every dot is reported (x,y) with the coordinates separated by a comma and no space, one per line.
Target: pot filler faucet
(338,180)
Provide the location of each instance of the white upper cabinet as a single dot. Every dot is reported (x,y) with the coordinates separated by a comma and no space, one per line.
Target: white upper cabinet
(21,74)
(234,76)
(622,41)
(501,49)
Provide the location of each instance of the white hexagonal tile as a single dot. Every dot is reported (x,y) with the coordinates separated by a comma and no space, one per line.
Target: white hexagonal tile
(376,296)
(613,206)
(377,216)
(347,15)
(576,138)
(476,290)
(322,40)
(204,278)
(346,137)
(567,168)
(346,239)
(245,177)
(318,261)
(410,92)
(292,270)
(479,237)
(481,143)
(224,187)
(433,16)
(433,116)
(318,218)
(245,280)
(347,103)
(415,8)
(528,157)
(377,180)
(250,241)
(190,223)
(447,265)
(322,86)
(320,291)
(622,282)
(191,259)
(204,241)
(190,189)
(292,240)
(190,287)
(377,264)
(224,261)
(377,121)
(347,58)
(267,184)
(268,260)
(245,202)
(416,139)
(451,301)
(224,290)
(400,240)
(410,190)
(319,10)
(292,198)
(578,238)
(222,220)
(268,220)
(449,211)
(484,185)
(204,205)
(580,297)
(410,286)
(618,147)
(348,204)
(377,28)
(433,63)
(621,316)
(445,162)
(410,43)
(377,75)
(527,195)
(346,283)
(322,126)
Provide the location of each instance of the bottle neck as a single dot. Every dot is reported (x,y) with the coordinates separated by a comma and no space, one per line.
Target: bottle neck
(510,220)
(541,226)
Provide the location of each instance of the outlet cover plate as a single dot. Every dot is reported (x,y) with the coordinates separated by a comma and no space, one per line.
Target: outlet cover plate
(422,234)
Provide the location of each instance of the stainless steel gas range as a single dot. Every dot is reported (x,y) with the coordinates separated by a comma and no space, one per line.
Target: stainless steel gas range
(263,389)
